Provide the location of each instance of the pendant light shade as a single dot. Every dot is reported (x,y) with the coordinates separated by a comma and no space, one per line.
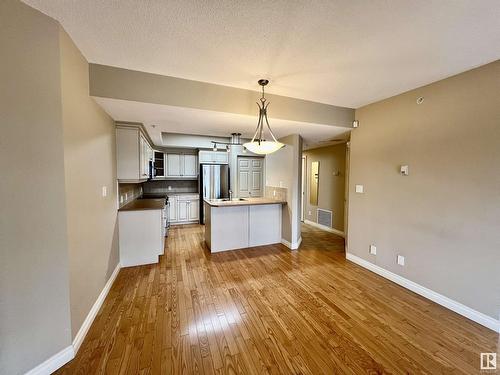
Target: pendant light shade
(263,147)
(258,144)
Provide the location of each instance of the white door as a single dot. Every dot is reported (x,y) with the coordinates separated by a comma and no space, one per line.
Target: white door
(194,210)
(173,165)
(173,210)
(257,176)
(250,176)
(244,177)
(190,166)
(183,210)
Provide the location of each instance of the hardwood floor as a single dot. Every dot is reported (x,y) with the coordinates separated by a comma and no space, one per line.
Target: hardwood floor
(272,310)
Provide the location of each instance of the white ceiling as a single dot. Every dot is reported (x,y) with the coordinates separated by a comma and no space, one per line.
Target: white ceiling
(194,121)
(341,52)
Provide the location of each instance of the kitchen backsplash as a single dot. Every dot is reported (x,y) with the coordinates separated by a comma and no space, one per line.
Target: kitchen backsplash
(160,187)
(275,192)
(128,192)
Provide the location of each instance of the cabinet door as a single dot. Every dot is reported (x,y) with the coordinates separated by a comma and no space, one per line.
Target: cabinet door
(194,209)
(173,210)
(173,165)
(142,156)
(221,157)
(190,166)
(183,210)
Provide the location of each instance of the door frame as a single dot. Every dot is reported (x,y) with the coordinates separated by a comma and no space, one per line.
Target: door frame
(303,188)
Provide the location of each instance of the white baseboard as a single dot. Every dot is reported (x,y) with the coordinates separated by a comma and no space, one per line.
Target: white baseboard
(325,228)
(64,356)
(53,363)
(455,306)
(292,246)
(82,332)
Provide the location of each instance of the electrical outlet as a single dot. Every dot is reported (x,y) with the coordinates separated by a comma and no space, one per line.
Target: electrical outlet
(359,189)
(373,249)
(104,191)
(401,260)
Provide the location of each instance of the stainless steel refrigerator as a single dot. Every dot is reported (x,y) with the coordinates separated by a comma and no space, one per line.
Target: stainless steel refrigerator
(214,184)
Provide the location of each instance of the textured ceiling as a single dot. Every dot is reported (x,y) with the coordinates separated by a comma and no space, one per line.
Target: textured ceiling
(342,52)
(172,119)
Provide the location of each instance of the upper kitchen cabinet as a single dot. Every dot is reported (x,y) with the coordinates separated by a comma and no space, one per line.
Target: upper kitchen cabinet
(213,157)
(181,165)
(133,154)
(159,164)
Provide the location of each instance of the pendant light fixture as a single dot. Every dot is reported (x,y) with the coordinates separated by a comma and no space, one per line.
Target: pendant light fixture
(258,144)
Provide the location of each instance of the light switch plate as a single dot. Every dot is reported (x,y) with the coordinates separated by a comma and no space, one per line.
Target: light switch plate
(104,191)
(373,249)
(401,260)
(359,189)
(405,170)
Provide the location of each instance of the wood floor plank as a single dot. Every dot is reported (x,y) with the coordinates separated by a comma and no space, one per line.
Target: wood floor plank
(268,310)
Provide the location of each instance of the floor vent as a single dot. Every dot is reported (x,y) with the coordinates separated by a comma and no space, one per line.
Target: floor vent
(325,217)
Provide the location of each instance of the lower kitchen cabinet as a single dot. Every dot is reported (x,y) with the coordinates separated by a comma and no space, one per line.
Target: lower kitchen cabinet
(141,236)
(184,209)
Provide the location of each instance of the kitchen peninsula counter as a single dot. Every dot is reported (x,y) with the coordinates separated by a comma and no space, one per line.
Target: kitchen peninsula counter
(242,223)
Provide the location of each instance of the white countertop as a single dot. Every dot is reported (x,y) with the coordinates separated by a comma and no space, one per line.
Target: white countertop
(242,202)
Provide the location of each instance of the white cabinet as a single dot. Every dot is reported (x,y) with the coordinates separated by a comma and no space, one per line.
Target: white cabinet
(190,166)
(146,156)
(133,153)
(213,157)
(184,208)
(173,209)
(173,165)
(141,236)
(182,165)
(194,210)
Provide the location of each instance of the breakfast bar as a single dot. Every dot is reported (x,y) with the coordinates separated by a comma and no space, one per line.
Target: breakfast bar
(242,222)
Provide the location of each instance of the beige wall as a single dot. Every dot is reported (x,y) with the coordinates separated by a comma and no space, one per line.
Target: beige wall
(89,164)
(283,169)
(331,187)
(117,83)
(445,216)
(34,287)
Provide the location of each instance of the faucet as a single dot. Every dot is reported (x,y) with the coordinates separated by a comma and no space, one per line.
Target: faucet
(230,195)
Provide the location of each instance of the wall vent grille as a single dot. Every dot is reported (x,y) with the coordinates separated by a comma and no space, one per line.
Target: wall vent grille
(325,217)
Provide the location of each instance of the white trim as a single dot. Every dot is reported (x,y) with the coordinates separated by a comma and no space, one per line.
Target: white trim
(53,363)
(292,246)
(82,332)
(455,306)
(324,227)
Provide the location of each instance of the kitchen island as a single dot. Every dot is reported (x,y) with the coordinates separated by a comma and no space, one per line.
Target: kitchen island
(240,223)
